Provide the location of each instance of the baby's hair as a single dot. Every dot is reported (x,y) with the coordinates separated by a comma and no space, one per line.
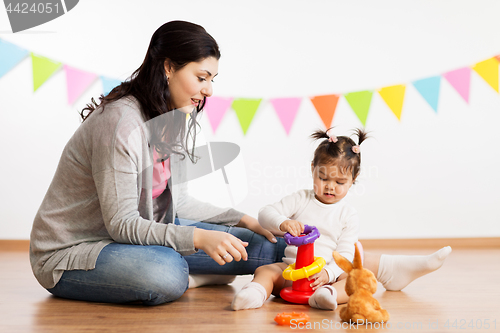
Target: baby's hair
(339,151)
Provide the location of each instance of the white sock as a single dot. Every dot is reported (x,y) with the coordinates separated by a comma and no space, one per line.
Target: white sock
(325,297)
(396,271)
(198,280)
(251,296)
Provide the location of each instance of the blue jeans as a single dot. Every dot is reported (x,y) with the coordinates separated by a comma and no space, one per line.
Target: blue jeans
(260,252)
(157,274)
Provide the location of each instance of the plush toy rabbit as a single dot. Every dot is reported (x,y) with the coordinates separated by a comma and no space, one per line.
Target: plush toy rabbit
(361,284)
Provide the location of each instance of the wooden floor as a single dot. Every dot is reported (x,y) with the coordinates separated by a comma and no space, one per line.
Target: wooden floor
(462,296)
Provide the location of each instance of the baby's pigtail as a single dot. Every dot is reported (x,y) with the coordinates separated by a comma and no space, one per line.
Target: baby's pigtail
(361,134)
(319,134)
(328,149)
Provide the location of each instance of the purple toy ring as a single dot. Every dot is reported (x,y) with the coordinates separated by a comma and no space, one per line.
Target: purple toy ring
(311,234)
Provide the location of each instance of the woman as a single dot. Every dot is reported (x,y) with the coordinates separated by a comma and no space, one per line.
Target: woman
(96,236)
(107,229)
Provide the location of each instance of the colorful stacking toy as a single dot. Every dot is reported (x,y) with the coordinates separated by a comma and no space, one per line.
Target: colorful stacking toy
(305,266)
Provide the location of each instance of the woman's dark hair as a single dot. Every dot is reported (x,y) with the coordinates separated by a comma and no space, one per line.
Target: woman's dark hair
(340,152)
(180,43)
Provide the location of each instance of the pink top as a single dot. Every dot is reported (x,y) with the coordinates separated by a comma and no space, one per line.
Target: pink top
(161,175)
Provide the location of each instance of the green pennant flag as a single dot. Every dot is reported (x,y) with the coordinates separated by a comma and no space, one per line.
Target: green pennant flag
(43,69)
(245,109)
(360,103)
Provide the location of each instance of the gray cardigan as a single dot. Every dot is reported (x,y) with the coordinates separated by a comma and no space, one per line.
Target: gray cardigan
(102,193)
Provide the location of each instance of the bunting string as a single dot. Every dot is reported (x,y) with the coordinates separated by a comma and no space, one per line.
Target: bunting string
(77,82)
(43,68)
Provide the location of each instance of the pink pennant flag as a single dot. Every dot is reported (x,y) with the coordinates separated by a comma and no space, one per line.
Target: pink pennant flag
(77,82)
(460,80)
(216,108)
(286,109)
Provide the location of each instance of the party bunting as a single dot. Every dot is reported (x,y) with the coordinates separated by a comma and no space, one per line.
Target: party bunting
(77,81)
(325,106)
(429,89)
(393,97)
(460,80)
(488,70)
(108,84)
(245,109)
(215,108)
(43,69)
(11,55)
(360,103)
(286,109)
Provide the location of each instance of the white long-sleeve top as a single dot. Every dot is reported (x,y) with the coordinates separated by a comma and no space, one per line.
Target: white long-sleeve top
(337,223)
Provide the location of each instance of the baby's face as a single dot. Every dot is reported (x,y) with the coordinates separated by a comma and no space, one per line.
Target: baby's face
(330,183)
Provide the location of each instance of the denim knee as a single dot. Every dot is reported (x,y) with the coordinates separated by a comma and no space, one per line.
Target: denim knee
(166,282)
(128,273)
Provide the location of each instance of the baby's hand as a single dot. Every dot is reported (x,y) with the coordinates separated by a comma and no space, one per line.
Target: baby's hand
(320,279)
(293,227)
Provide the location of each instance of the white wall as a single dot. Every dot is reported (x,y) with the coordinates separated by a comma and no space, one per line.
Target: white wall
(430,175)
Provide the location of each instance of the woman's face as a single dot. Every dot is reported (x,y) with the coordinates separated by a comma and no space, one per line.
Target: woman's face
(190,84)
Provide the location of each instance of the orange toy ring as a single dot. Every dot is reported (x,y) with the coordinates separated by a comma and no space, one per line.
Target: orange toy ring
(285,318)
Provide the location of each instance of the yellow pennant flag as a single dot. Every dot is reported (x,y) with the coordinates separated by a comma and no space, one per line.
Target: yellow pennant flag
(488,70)
(394,96)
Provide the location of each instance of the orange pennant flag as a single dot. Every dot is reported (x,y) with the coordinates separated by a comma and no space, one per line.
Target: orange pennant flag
(325,105)
(394,96)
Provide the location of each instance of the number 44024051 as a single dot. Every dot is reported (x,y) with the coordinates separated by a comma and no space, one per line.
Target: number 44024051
(25,8)
(470,324)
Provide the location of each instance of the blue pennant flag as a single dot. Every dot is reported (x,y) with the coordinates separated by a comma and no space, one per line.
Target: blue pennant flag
(429,89)
(10,56)
(108,84)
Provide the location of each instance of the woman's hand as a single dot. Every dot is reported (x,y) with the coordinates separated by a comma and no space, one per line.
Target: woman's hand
(293,227)
(320,279)
(220,246)
(252,224)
